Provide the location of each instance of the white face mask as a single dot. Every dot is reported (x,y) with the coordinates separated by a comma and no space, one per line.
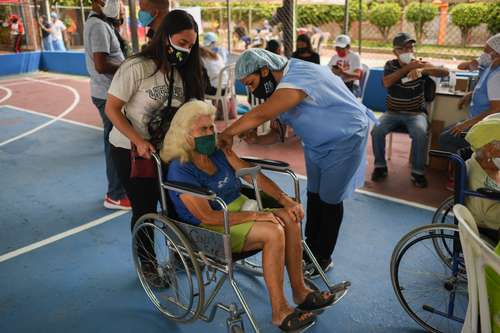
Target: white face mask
(496,161)
(484,60)
(406,58)
(111,8)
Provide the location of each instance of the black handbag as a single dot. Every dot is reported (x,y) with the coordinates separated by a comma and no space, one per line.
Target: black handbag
(162,117)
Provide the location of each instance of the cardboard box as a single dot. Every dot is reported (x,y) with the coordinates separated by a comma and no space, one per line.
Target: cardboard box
(462,84)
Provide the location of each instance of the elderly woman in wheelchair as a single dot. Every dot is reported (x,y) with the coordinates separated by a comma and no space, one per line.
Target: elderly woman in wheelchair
(190,149)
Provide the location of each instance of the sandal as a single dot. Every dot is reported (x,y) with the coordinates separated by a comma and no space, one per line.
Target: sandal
(294,322)
(316,300)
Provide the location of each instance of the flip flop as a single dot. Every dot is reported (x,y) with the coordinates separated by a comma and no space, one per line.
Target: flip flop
(293,322)
(315,300)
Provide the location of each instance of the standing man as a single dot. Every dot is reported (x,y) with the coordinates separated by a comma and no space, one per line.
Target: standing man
(405,80)
(56,33)
(45,27)
(103,56)
(151,14)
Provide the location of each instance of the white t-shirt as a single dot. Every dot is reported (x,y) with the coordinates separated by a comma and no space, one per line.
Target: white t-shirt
(349,63)
(493,87)
(143,92)
(56,30)
(213,67)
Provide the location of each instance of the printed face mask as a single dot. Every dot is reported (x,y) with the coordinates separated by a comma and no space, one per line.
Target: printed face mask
(406,58)
(145,18)
(205,145)
(177,56)
(266,86)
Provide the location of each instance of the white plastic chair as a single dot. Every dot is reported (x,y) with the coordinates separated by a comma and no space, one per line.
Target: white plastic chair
(477,256)
(229,90)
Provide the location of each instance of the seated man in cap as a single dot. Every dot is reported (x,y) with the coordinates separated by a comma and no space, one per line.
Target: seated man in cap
(346,63)
(483,170)
(405,79)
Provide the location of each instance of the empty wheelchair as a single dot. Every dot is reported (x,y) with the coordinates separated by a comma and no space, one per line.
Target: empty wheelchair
(427,265)
(183,267)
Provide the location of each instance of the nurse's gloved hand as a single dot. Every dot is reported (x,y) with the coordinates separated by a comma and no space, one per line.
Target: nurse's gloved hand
(224,141)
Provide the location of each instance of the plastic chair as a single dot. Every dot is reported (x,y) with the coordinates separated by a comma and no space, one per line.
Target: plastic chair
(478,255)
(364,78)
(225,90)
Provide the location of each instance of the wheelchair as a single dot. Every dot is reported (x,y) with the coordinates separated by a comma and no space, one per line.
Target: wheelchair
(185,260)
(427,265)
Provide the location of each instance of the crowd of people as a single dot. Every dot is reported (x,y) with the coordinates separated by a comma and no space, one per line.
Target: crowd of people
(153,101)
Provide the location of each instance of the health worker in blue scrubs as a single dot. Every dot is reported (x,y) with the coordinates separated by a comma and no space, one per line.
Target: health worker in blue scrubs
(332,124)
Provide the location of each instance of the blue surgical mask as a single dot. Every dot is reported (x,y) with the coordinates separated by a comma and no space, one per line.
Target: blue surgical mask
(145,18)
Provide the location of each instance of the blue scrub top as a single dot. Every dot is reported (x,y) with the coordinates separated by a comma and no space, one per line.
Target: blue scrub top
(480,100)
(224,183)
(333,126)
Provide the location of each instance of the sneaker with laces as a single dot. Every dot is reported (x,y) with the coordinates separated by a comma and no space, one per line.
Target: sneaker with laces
(311,272)
(123,203)
(418,180)
(379,173)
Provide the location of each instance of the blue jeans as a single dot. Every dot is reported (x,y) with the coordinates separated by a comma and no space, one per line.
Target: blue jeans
(416,125)
(58,45)
(47,44)
(451,143)
(115,188)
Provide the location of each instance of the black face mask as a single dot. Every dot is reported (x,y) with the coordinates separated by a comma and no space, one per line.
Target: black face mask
(177,56)
(302,50)
(266,86)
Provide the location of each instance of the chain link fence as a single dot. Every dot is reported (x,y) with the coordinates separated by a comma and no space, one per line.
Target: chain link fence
(443,30)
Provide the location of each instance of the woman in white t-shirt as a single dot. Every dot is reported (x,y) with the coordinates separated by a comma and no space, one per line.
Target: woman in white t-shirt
(212,65)
(346,63)
(136,101)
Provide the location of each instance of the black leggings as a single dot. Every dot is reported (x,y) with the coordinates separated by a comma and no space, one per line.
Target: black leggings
(143,193)
(322,226)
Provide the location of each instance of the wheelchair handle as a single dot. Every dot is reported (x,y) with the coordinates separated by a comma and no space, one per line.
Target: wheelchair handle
(252,171)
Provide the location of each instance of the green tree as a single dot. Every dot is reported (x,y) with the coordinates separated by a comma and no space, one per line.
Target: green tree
(384,16)
(419,14)
(466,16)
(493,18)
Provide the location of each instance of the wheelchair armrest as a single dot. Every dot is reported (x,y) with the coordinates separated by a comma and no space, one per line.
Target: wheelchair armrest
(252,171)
(489,193)
(439,153)
(268,164)
(189,189)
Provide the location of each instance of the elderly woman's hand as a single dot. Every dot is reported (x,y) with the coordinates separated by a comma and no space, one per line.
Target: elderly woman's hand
(294,208)
(269,217)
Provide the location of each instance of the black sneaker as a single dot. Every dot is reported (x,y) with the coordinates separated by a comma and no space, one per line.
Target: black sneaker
(379,173)
(311,272)
(418,180)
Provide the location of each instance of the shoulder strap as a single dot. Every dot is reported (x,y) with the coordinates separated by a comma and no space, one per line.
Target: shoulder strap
(170,86)
(123,44)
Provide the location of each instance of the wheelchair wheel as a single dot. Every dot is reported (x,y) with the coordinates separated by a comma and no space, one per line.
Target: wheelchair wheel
(432,292)
(167,268)
(444,215)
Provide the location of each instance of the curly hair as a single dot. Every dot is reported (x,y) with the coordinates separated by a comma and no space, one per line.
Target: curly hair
(176,144)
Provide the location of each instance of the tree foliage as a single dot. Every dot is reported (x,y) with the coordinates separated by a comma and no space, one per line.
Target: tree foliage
(467,16)
(419,14)
(384,16)
(493,18)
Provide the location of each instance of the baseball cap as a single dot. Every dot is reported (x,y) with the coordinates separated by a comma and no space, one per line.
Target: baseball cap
(342,41)
(209,38)
(401,39)
(494,43)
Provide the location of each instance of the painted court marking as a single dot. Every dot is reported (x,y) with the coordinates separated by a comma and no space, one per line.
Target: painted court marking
(60,236)
(6,97)
(63,114)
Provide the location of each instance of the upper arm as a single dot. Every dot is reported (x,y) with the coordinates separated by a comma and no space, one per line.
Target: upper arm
(235,162)
(125,82)
(198,207)
(282,100)
(493,87)
(100,60)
